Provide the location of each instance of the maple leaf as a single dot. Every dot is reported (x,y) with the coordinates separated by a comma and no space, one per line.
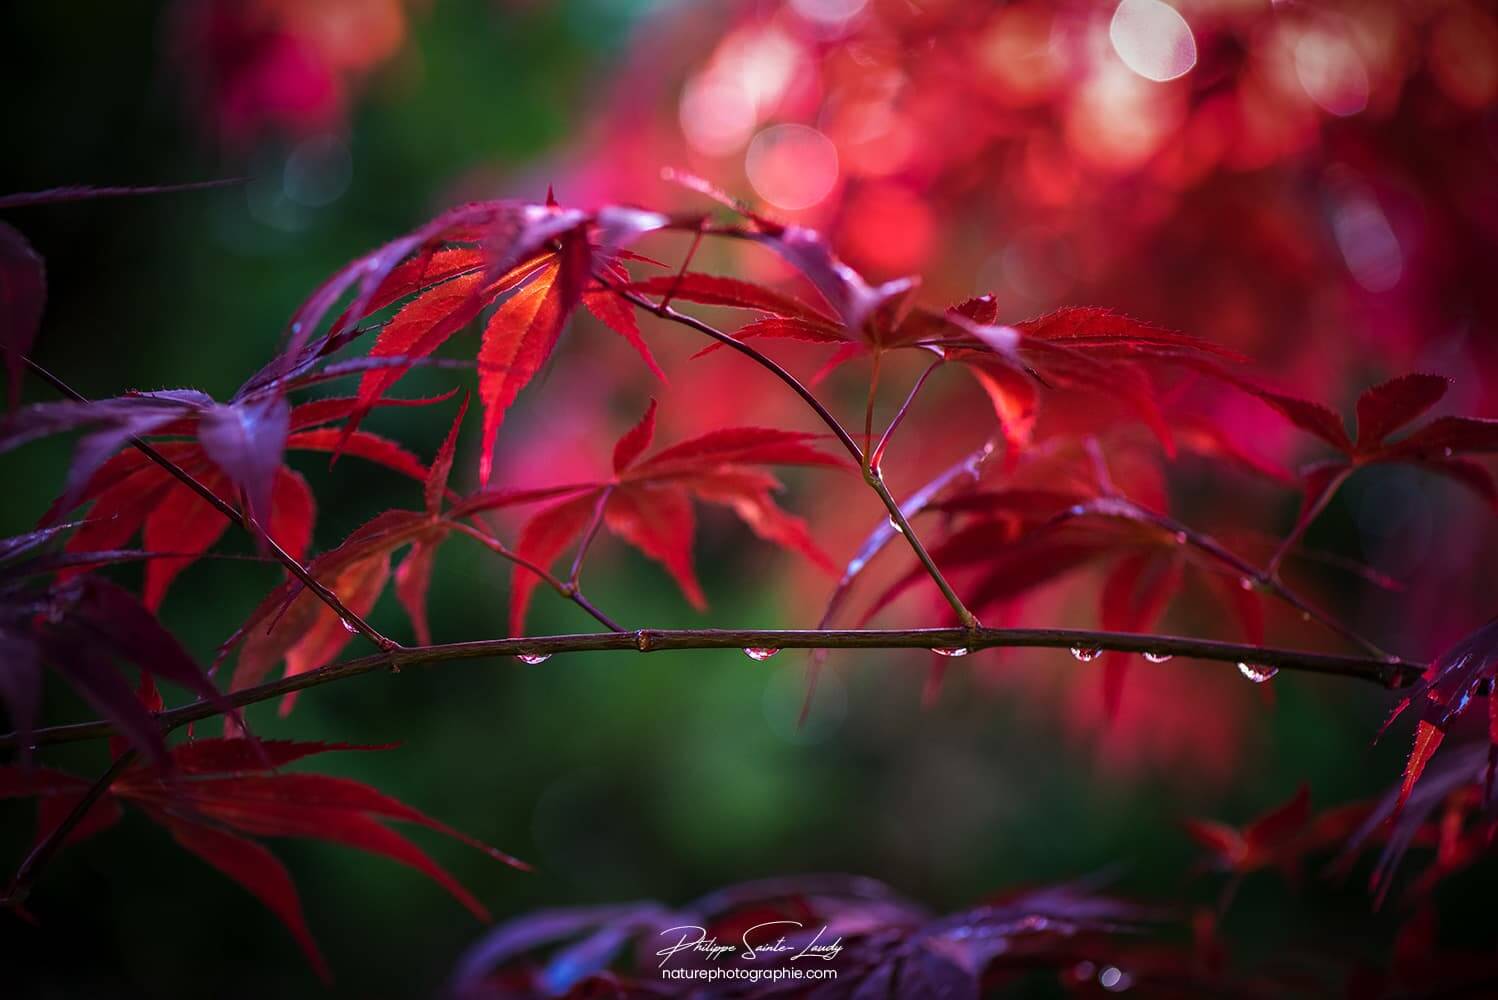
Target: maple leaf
(887,945)
(131,493)
(1467,670)
(1085,349)
(1459,786)
(302,631)
(83,628)
(236,794)
(1438,446)
(648,503)
(1276,838)
(534,263)
(1015,540)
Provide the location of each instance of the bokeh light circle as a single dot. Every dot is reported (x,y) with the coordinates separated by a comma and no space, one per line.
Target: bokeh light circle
(791,166)
(1152,39)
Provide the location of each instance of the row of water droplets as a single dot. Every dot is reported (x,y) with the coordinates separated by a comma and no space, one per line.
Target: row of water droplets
(1258,673)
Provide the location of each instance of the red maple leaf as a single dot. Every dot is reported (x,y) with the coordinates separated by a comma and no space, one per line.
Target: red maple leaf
(648,503)
(131,493)
(220,796)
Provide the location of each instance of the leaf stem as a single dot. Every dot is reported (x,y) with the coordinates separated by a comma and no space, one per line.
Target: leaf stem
(877,457)
(582,548)
(567,590)
(875,481)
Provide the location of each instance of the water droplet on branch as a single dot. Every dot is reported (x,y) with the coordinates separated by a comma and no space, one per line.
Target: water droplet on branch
(1086,654)
(1258,673)
(349,626)
(759,653)
(950,650)
(532,658)
(896,525)
(1155,657)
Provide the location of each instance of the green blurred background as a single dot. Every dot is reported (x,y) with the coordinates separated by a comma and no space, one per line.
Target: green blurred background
(618,777)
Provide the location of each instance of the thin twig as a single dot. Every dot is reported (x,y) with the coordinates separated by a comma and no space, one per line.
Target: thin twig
(764,361)
(582,547)
(1303,522)
(292,564)
(877,456)
(876,483)
(567,590)
(1118,506)
(1386,673)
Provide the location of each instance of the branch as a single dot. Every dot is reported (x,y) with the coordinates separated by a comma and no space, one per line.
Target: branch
(293,565)
(1386,673)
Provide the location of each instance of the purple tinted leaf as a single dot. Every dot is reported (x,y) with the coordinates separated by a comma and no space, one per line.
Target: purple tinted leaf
(83,192)
(1450,772)
(854,299)
(621,225)
(118,618)
(116,422)
(246,440)
(21,544)
(92,673)
(516,937)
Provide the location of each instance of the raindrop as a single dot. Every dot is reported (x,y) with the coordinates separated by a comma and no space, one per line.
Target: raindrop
(532,658)
(1076,511)
(1086,654)
(1181,538)
(349,626)
(896,525)
(1246,582)
(759,653)
(1155,657)
(1257,672)
(951,650)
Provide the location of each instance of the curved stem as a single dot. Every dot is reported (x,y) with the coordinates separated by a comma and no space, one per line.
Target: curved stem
(1118,506)
(877,457)
(666,312)
(593,525)
(875,481)
(567,590)
(1303,521)
(1387,673)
